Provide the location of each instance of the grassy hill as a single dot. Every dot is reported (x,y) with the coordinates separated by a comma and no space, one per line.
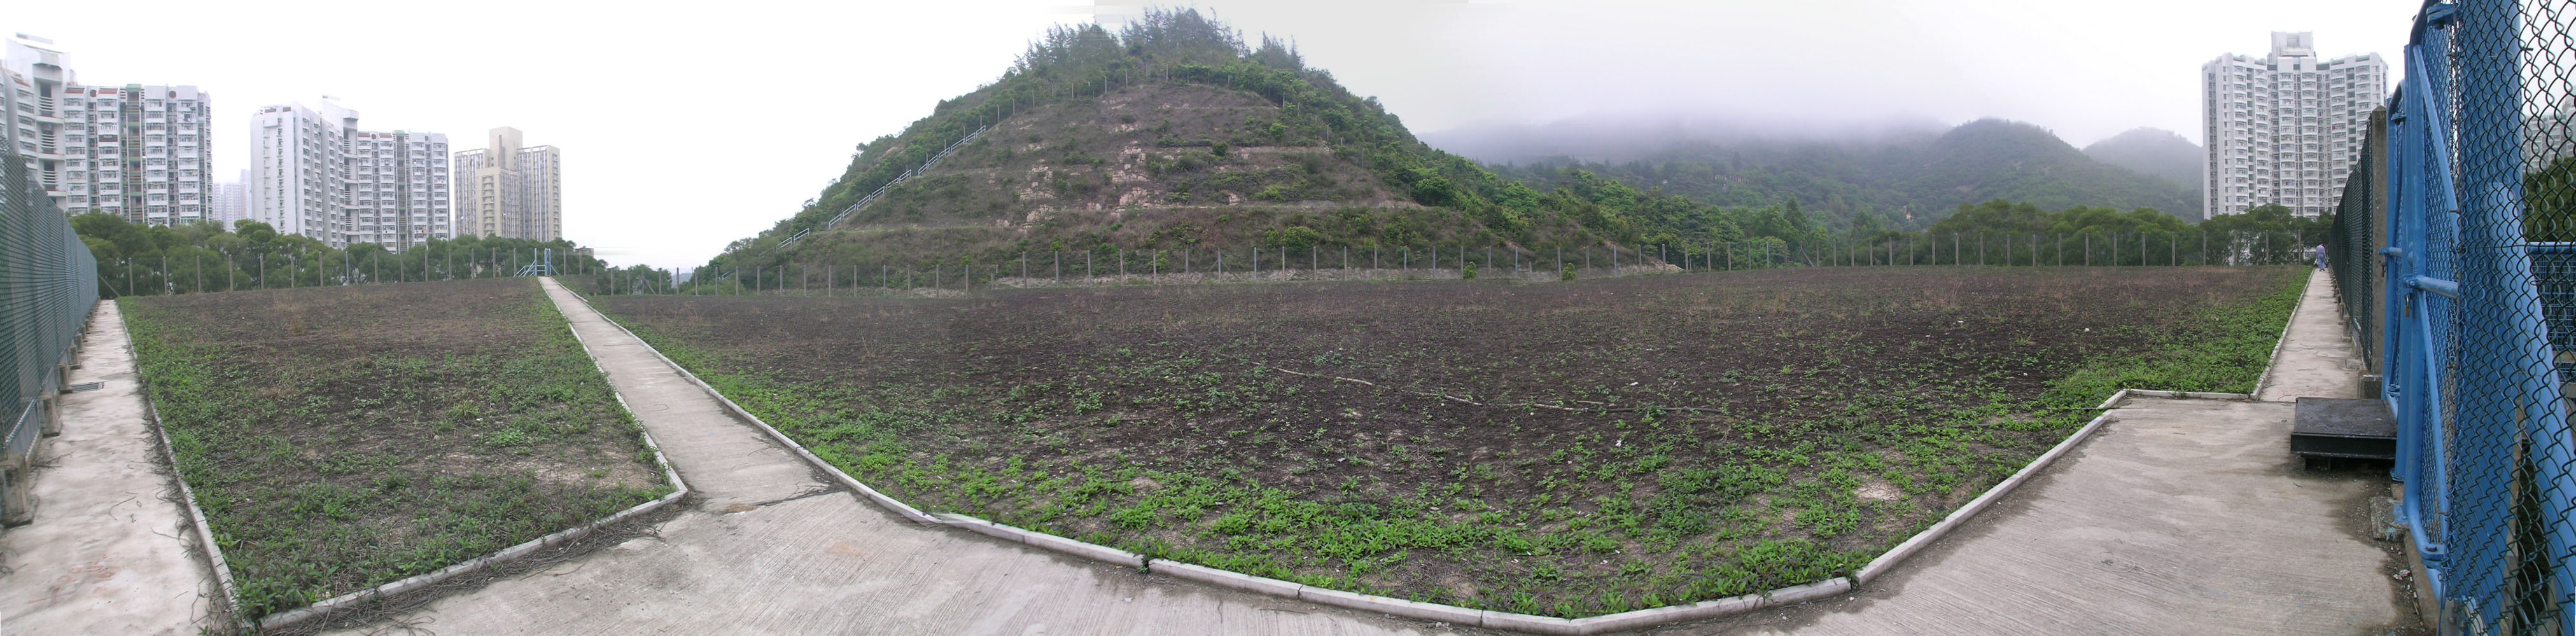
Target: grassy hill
(1172,133)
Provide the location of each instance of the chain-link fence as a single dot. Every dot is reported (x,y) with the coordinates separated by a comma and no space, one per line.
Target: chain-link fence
(48,284)
(1118,266)
(2464,292)
(2354,241)
(195,270)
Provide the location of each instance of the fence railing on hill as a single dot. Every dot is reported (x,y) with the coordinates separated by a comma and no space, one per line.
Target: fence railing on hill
(881,190)
(48,285)
(2460,281)
(1334,262)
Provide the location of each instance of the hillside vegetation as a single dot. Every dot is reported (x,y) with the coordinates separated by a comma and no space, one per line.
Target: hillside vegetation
(1174,133)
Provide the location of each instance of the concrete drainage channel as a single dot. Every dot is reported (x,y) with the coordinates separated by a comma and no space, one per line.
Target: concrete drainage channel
(1451,614)
(232,598)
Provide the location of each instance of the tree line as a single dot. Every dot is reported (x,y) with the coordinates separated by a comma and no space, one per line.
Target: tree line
(135,259)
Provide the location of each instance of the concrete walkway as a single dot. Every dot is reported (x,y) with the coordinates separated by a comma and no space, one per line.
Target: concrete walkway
(2176,517)
(2316,357)
(110,549)
(768,548)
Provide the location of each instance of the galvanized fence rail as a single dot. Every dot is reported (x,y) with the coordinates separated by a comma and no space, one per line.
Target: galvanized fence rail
(210,272)
(2456,261)
(1116,266)
(48,285)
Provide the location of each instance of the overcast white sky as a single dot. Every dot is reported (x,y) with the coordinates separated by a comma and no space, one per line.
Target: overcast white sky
(688,126)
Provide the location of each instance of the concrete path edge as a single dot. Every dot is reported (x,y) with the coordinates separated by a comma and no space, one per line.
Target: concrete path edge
(889,503)
(1791,595)
(187,495)
(1879,566)
(223,572)
(2282,340)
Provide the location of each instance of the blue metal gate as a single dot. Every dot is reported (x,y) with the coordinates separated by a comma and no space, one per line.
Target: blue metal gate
(2471,309)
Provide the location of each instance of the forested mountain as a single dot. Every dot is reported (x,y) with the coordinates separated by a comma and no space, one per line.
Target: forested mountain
(1891,177)
(2154,152)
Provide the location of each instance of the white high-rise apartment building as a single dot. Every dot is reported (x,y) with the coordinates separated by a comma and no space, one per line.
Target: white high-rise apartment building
(2285,128)
(510,191)
(229,201)
(137,151)
(314,173)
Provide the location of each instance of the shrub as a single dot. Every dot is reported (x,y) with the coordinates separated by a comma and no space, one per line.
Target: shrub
(1567,274)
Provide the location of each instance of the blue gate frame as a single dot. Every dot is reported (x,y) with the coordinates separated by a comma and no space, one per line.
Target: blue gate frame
(2473,370)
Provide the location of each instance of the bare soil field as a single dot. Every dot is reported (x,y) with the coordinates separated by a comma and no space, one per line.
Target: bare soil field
(1569,449)
(344,437)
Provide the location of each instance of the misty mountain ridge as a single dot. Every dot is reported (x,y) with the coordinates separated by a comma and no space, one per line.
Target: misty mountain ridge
(1621,138)
(2155,152)
(1903,175)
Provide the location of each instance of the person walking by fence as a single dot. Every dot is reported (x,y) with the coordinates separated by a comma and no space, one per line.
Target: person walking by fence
(2319,253)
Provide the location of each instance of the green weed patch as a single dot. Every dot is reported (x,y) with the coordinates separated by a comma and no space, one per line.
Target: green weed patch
(341,438)
(1568,450)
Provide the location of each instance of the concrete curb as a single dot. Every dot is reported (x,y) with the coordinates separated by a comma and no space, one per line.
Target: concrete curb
(2183,395)
(889,503)
(326,607)
(1224,578)
(1041,540)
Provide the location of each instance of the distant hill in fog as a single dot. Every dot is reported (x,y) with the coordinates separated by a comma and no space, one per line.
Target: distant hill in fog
(1904,175)
(2153,151)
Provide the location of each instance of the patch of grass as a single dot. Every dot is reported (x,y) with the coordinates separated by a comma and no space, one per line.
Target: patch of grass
(342,438)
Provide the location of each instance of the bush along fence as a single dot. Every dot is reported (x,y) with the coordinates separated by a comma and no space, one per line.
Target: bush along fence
(48,286)
(2455,258)
(1118,266)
